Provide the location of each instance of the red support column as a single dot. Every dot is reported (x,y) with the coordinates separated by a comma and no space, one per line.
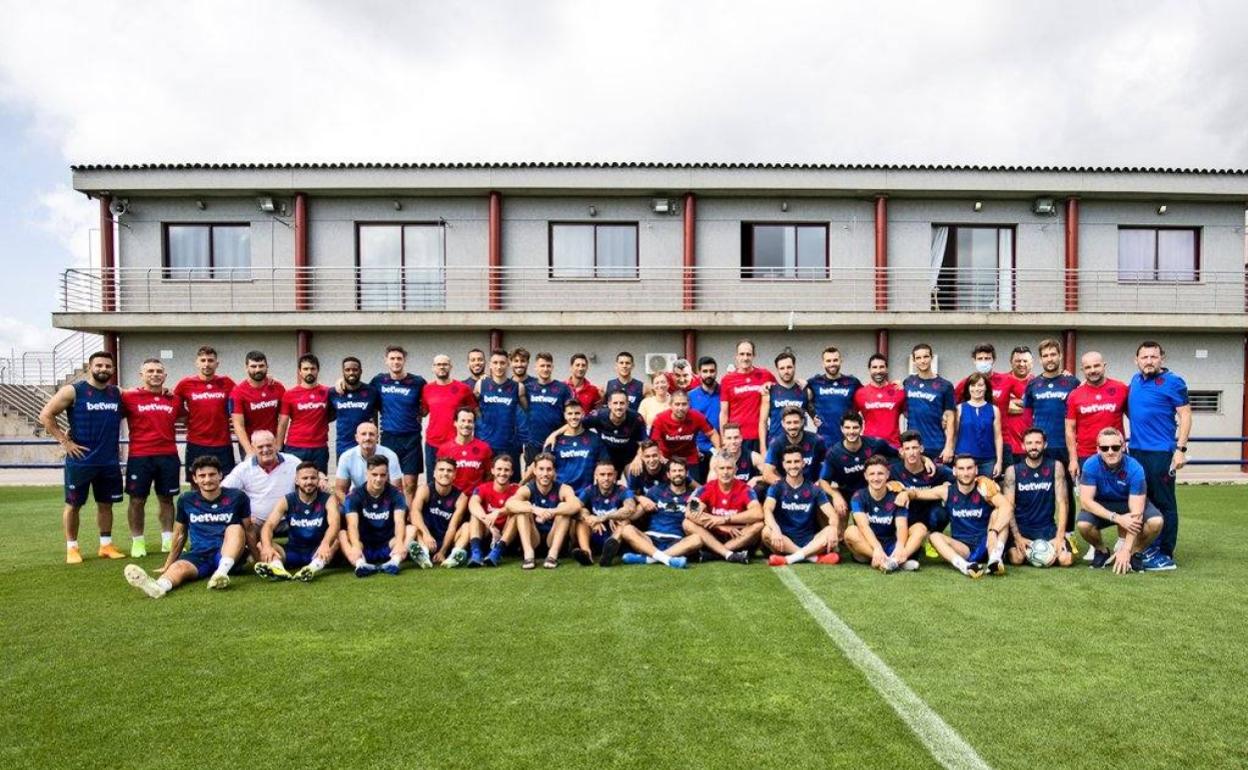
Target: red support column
(303,340)
(881,253)
(691,348)
(496,341)
(111,346)
(691,222)
(1072,255)
(495,278)
(881,342)
(108,257)
(1070,359)
(303,297)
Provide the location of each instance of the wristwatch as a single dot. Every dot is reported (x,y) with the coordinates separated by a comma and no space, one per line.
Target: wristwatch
(1182,448)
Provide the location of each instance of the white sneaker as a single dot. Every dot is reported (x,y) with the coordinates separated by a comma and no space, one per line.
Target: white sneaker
(138,577)
(218,582)
(418,553)
(910,565)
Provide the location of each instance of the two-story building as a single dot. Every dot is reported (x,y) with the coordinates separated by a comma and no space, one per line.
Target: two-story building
(667,259)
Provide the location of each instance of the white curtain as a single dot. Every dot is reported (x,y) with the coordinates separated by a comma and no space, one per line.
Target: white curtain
(1005,268)
(940,240)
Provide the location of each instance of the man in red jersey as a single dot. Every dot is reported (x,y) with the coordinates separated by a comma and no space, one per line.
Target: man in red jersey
(725,514)
(470,454)
(441,399)
(1097,404)
(303,425)
(490,527)
(151,414)
(741,395)
(585,391)
(676,429)
(881,403)
(205,402)
(1014,418)
(255,402)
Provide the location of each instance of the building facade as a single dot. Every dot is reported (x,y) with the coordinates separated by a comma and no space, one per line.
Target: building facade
(667,260)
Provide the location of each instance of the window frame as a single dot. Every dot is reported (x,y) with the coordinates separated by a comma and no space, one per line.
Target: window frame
(550,250)
(402,225)
(168,271)
(951,245)
(747,238)
(1195,230)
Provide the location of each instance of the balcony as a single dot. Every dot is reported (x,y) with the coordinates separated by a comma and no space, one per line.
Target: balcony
(658,296)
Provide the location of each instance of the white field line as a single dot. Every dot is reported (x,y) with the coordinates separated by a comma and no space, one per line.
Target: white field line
(941,740)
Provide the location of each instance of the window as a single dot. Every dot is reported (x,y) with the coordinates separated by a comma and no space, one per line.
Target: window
(208,252)
(972,268)
(1164,255)
(607,250)
(400,266)
(1205,401)
(784,251)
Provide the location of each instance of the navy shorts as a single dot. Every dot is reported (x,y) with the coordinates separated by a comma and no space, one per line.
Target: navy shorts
(800,537)
(888,545)
(544,527)
(437,526)
(224,454)
(377,554)
(206,562)
(937,519)
(1150,512)
(161,471)
(663,540)
(409,449)
(1046,531)
(597,540)
(318,455)
(296,558)
(81,479)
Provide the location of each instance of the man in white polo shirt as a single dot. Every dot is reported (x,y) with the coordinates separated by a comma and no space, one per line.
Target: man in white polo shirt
(265,477)
(352,470)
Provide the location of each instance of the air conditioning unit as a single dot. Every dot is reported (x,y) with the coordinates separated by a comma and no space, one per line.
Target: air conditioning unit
(660,362)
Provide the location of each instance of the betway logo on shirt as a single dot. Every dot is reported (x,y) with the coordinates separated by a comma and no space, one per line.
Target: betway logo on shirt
(211,518)
(831,390)
(441,513)
(674,437)
(352,405)
(922,395)
(738,390)
(396,390)
(1093,408)
(795,506)
(256,406)
(304,406)
(541,398)
(878,405)
(1035,486)
(724,512)
(101,406)
(879,518)
(854,468)
(376,514)
(467,462)
(1049,394)
(209,395)
(966,513)
(567,453)
(155,407)
(493,399)
(307,523)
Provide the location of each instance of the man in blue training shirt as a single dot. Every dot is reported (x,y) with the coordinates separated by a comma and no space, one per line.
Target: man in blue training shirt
(663,540)
(843,465)
(1036,488)
(778,396)
(930,405)
(213,517)
(547,398)
(313,523)
(705,399)
(355,403)
(811,445)
(500,400)
(399,393)
(1046,397)
(830,395)
(576,450)
(1157,402)
(605,507)
(1113,491)
(624,381)
(792,515)
(376,513)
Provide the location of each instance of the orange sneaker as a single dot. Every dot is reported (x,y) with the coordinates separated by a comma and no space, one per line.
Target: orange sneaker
(776,560)
(829,558)
(73,555)
(108,552)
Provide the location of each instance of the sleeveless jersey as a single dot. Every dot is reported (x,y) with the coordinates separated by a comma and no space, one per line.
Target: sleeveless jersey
(95,423)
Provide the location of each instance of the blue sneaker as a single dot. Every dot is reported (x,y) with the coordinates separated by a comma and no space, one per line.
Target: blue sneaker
(677,562)
(390,568)
(1099,559)
(635,558)
(1156,561)
(365,570)
(495,556)
(475,561)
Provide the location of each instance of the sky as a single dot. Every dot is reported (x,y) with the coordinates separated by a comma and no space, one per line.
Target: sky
(1086,83)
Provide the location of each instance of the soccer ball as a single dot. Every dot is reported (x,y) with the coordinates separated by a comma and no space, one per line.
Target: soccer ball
(1041,553)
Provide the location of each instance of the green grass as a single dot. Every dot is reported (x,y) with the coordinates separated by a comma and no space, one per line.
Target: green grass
(716,666)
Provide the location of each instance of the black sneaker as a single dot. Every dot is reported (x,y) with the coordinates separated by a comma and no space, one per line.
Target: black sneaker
(974,570)
(582,557)
(738,557)
(1099,559)
(610,549)
(996,568)
(1137,562)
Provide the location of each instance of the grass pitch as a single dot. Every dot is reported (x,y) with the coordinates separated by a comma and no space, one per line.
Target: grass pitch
(632,666)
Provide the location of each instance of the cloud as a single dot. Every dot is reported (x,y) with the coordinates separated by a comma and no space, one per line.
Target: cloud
(73,220)
(17,335)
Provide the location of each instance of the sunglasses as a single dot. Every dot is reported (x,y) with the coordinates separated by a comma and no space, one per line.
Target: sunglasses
(1110,447)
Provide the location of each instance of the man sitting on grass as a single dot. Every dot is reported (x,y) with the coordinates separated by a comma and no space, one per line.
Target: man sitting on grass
(313,521)
(1036,489)
(543,509)
(979,518)
(882,535)
(794,509)
(375,536)
(436,523)
(1113,492)
(605,507)
(725,514)
(214,519)
(664,540)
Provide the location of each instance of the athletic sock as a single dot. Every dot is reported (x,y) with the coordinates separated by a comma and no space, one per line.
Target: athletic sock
(661,558)
(360,562)
(165,583)
(392,561)
(104,540)
(794,558)
(74,543)
(997,551)
(317,564)
(476,544)
(960,564)
(277,563)
(224,566)
(166,541)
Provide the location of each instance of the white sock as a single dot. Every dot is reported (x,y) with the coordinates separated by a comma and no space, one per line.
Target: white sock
(794,558)
(165,583)
(661,558)
(392,561)
(997,551)
(360,562)
(224,566)
(74,543)
(104,540)
(960,564)
(166,540)
(277,563)
(317,564)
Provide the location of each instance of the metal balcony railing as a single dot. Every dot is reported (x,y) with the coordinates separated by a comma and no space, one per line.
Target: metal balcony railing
(633,289)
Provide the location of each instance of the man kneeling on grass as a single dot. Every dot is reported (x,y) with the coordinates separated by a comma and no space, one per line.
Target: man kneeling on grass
(605,507)
(375,536)
(979,520)
(664,540)
(214,518)
(882,535)
(313,521)
(1113,492)
(794,509)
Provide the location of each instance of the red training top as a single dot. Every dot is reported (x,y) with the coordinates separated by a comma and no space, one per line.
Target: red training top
(152,419)
(881,407)
(493,500)
(725,504)
(588,394)
(742,391)
(206,404)
(441,402)
(1093,409)
(679,438)
(258,406)
(308,410)
(472,462)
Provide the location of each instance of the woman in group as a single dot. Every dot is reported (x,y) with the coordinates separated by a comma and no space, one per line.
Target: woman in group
(978,426)
(658,401)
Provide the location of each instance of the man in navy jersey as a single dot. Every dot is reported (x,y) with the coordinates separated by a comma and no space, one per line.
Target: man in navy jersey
(647,470)
(830,394)
(544,509)
(792,515)
(437,517)
(476,367)
(881,535)
(399,399)
(519,359)
(500,400)
(205,402)
(354,403)
(620,429)
(576,450)
(312,522)
(1113,491)
(547,398)
(624,380)
(704,397)
(303,425)
(1036,489)
(778,396)
(151,414)
(749,465)
(1157,405)
(663,541)
(93,407)
(792,434)
(979,520)
(605,506)
(929,405)
(374,537)
(843,464)
(212,517)
(911,472)
(255,402)
(1045,396)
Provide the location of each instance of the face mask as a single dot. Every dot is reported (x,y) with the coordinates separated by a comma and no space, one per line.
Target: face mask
(983,367)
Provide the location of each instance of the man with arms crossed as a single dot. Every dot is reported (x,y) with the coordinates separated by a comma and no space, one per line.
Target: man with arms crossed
(1036,489)
(792,514)
(376,513)
(255,402)
(151,414)
(213,517)
(205,400)
(313,523)
(704,398)
(93,407)
(303,425)
(1113,491)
